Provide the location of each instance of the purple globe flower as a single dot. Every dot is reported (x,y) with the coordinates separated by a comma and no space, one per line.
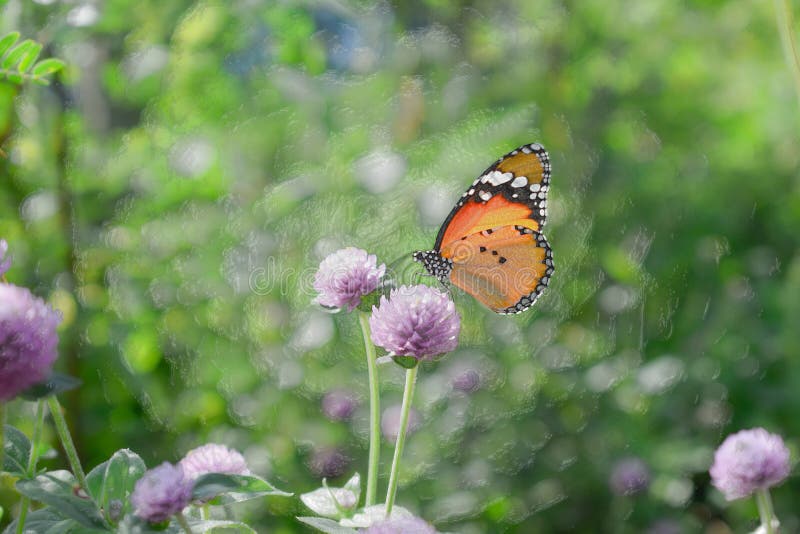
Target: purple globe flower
(339,405)
(345,276)
(28,340)
(213,458)
(5,263)
(328,462)
(749,460)
(417,321)
(629,477)
(467,380)
(161,493)
(404,525)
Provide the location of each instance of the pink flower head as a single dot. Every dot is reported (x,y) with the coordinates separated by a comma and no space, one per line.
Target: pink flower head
(345,276)
(28,340)
(749,460)
(161,493)
(417,321)
(213,458)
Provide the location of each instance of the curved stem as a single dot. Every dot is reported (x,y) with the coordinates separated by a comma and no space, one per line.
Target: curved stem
(783,13)
(66,441)
(408,394)
(38,423)
(765,510)
(374,411)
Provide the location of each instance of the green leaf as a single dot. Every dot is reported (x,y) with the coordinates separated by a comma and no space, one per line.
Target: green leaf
(114,479)
(7,41)
(18,53)
(16,451)
(30,57)
(50,521)
(59,490)
(57,383)
(329,526)
(47,66)
(406,362)
(225,489)
(335,503)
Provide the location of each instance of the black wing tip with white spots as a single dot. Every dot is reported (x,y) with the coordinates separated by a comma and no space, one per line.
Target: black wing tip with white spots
(435,264)
(529,300)
(492,182)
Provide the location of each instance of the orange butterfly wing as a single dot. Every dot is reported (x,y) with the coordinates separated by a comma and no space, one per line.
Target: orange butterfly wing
(492,237)
(506,269)
(512,191)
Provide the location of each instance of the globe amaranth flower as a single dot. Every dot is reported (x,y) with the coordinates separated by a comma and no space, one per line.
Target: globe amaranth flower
(5,263)
(417,321)
(749,460)
(161,493)
(339,405)
(629,476)
(403,525)
(345,276)
(213,458)
(28,340)
(328,462)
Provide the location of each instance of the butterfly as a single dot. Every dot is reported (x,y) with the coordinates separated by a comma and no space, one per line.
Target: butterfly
(491,245)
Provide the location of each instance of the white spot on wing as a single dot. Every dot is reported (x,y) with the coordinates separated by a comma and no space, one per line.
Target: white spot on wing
(519,181)
(485,195)
(497,178)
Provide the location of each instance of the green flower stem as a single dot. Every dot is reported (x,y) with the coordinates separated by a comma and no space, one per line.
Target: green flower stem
(205,512)
(765,510)
(183,522)
(25,503)
(783,13)
(66,441)
(374,411)
(408,394)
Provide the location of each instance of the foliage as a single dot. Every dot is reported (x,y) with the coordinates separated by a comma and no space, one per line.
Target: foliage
(174,196)
(18,61)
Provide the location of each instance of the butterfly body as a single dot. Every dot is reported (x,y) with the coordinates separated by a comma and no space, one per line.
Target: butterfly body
(491,244)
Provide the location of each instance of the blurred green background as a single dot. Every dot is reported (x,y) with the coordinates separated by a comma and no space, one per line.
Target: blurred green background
(174,191)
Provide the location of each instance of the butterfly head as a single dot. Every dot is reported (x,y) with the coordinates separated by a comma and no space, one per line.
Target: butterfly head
(435,264)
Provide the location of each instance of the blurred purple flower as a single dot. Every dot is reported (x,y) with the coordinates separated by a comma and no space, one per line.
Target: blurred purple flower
(339,405)
(328,463)
(418,321)
(404,525)
(749,460)
(345,276)
(28,340)
(390,422)
(213,458)
(161,493)
(467,380)
(629,477)
(5,263)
